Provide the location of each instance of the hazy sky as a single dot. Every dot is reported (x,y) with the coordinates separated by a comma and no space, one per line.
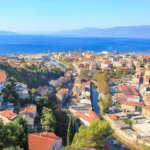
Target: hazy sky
(56,15)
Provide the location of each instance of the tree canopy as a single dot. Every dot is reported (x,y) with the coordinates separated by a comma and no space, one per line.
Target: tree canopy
(94,135)
(48,120)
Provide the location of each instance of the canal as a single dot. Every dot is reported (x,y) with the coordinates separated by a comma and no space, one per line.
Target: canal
(94,99)
(113,143)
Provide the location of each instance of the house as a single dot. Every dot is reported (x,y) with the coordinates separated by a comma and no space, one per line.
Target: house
(1,101)
(146,111)
(62,94)
(79,107)
(2,80)
(22,90)
(147,101)
(130,106)
(121,124)
(143,129)
(7,116)
(147,74)
(87,118)
(29,113)
(44,141)
(127,93)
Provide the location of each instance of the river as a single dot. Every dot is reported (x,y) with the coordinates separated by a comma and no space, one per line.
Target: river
(94,99)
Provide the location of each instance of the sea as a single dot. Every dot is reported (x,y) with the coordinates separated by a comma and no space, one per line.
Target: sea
(31,44)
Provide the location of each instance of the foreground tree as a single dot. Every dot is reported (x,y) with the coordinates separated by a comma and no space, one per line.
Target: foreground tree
(71,130)
(1,134)
(95,135)
(15,134)
(62,121)
(48,120)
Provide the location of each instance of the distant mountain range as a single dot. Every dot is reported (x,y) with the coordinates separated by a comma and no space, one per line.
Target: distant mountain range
(128,31)
(7,33)
(122,31)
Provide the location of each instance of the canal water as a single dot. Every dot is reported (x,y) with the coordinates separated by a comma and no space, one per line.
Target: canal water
(94,99)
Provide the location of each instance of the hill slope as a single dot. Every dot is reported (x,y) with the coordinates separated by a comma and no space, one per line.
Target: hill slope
(129,31)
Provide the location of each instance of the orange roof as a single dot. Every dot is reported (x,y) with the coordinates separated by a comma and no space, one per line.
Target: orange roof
(2,77)
(147,101)
(146,108)
(29,109)
(128,103)
(43,140)
(63,90)
(90,117)
(112,116)
(145,56)
(9,114)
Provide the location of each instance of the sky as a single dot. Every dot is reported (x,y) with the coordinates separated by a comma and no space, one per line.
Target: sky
(56,15)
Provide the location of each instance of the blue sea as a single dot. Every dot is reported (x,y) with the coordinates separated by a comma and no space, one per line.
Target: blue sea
(18,44)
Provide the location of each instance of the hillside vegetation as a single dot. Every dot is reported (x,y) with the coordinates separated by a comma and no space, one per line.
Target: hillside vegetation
(29,77)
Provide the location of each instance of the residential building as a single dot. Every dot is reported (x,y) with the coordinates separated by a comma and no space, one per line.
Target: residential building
(2,80)
(146,111)
(62,94)
(29,113)
(7,116)
(21,90)
(44,141)
(87,118)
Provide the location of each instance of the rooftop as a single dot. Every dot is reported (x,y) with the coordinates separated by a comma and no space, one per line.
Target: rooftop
(91,116)
(43,140)
(9,114)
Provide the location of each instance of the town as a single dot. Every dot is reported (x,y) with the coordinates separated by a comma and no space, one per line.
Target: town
(56,93)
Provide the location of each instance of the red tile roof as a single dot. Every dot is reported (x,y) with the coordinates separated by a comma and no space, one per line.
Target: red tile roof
(112,116)
(90,117)
(2,77)
(9,114)
(63,90)
(29,109)
(128,90)
(147,101)
(128,103)
(42,141)
(146,108)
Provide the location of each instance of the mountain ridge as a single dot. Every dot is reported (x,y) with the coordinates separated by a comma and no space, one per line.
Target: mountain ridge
(118,31)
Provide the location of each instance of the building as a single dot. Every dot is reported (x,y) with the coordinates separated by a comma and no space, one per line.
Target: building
(142,129)
(7,116)
(2,80)
(44,141)
(147,74)
(1,101)
(62,94)
(130,106)
(29,113)
(127,93)
(22,90)
(87,118)
(146,111)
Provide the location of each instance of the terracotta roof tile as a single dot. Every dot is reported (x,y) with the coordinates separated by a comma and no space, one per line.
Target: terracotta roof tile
(90,117)
(9,114)
(42,141)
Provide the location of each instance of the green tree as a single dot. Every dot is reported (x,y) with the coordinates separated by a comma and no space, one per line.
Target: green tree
(15,134)
(139,108)
(71,130)
(48,120)
(1,134)
(95,135)
(106,102)
(119,72)
(62,121)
